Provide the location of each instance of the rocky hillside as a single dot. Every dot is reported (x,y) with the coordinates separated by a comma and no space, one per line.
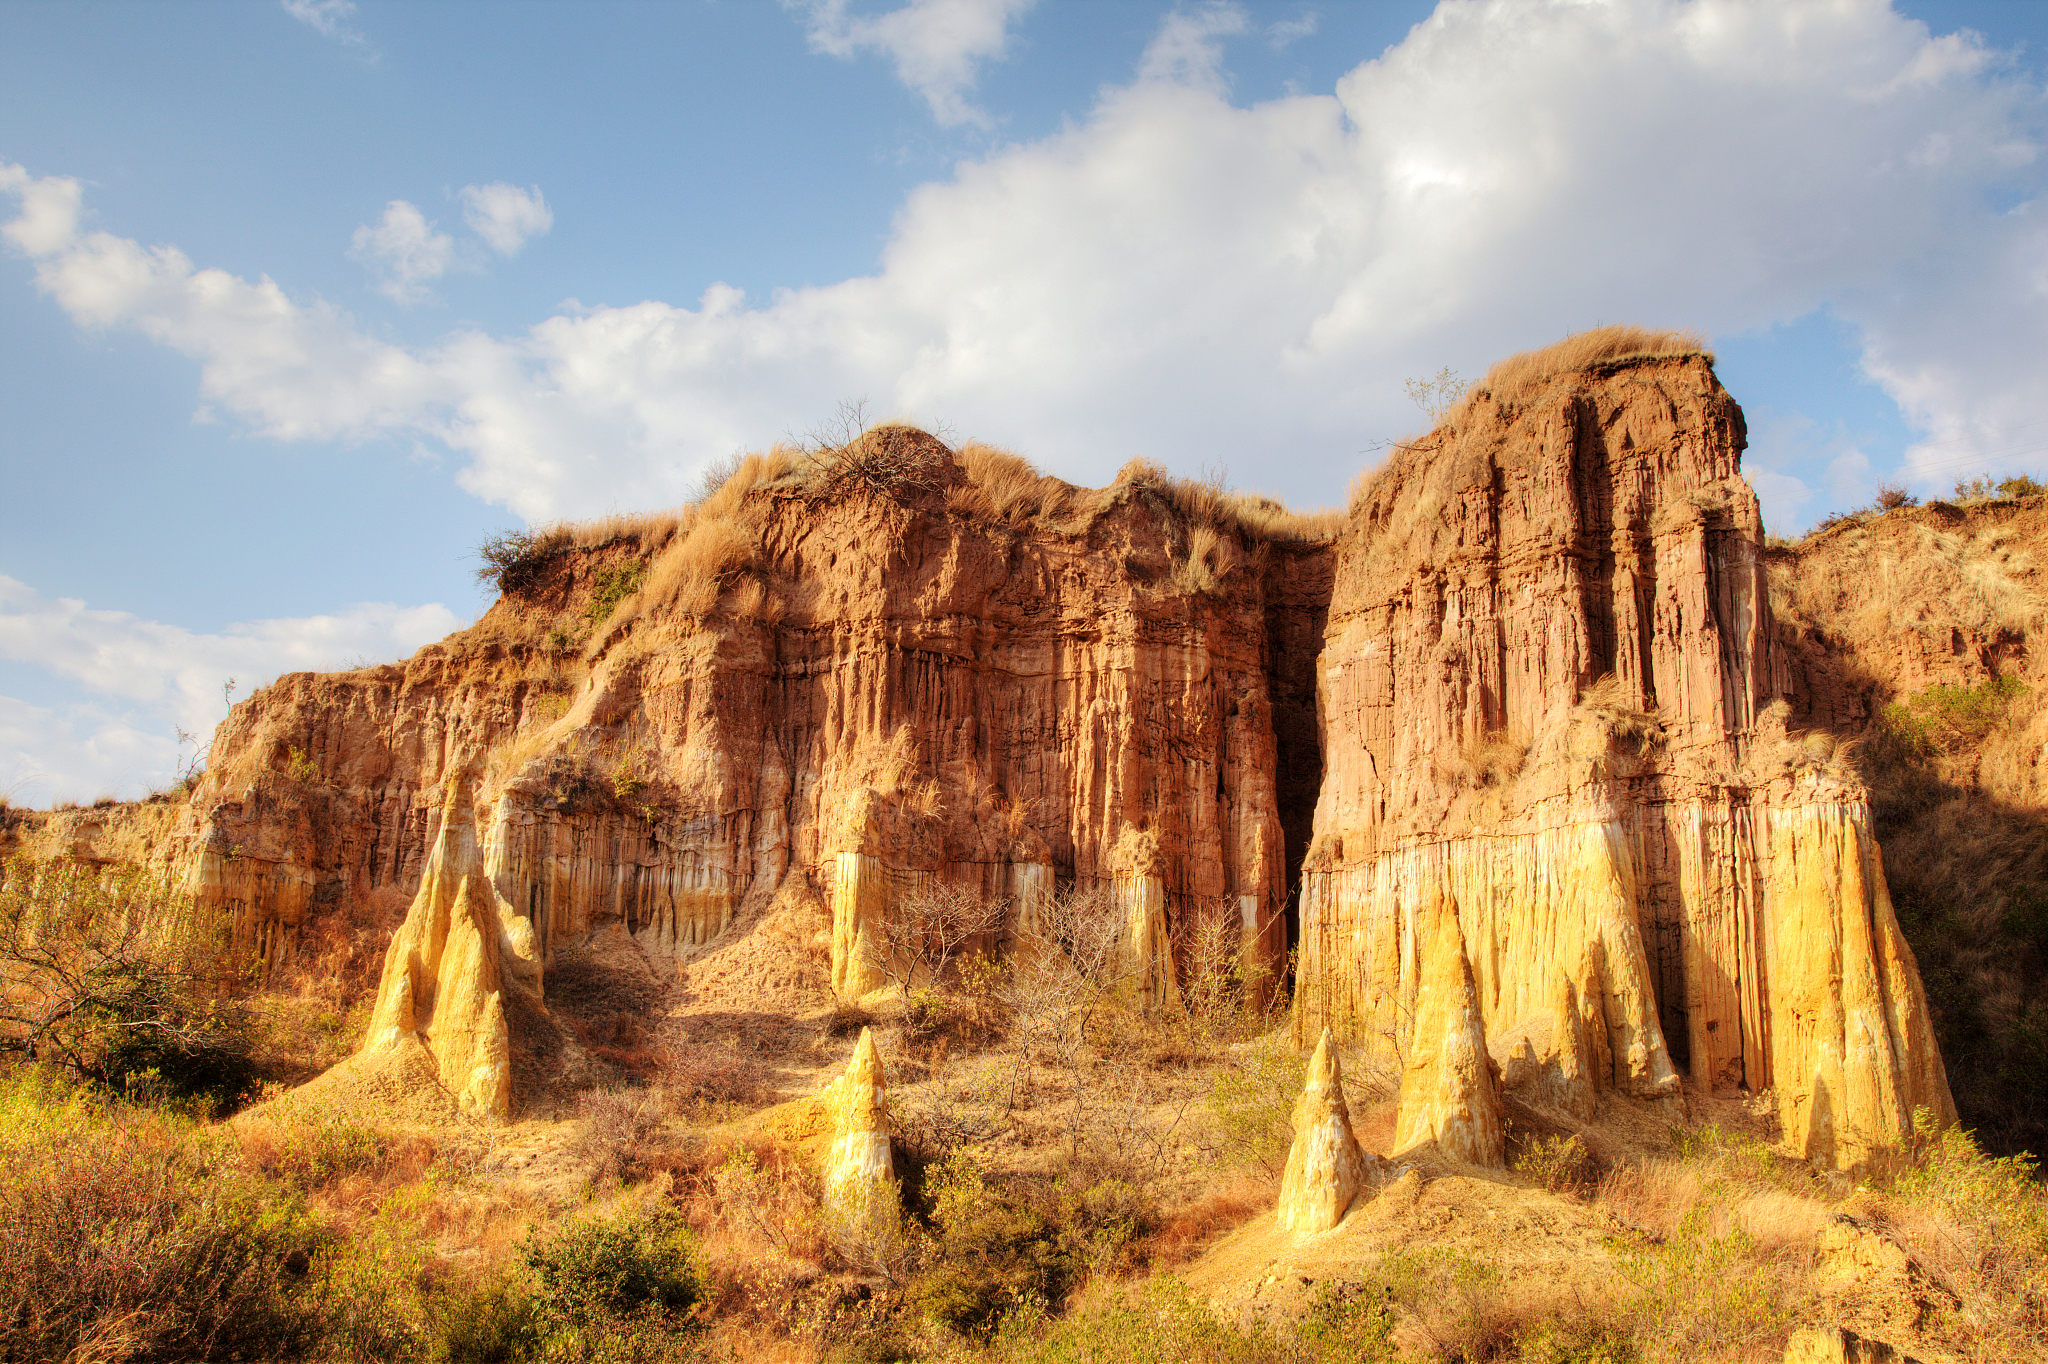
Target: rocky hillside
(1532,763)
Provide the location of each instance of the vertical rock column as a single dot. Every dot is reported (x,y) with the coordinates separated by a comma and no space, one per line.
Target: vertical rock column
(860,897)
(442,985)
(860,1175)
(1448,1098)
(1324,1166)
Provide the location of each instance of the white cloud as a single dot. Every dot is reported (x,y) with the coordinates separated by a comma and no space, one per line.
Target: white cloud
(148,678)
(328,18)
(1286,32)
(1186,49)
(405,251)
(938,45)
(49,211)
(505,216)
(1212,284)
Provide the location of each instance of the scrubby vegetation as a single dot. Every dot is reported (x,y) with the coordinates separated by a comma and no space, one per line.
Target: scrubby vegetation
(1068,1164)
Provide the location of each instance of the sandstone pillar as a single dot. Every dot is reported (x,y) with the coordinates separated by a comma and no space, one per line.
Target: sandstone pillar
(860,1175)
(859,899)
(1448,1099)
(442,987)
(1324,1166)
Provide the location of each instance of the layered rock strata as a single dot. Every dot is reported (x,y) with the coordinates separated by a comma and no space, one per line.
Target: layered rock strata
(1547,661)
(1325,1166)
(1527,692)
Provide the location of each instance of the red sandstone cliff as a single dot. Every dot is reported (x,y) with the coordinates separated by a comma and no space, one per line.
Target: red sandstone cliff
(1544,696)
(1522,707)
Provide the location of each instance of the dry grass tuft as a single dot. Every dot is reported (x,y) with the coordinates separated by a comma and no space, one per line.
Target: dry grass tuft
(1611,703)
(1008,488)
(1492,759)
(1512,381)
(691,572)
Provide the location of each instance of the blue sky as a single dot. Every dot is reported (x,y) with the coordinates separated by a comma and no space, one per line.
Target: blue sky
(299,301)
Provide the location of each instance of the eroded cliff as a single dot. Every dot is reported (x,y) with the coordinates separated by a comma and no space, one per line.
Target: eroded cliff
(1500,763)
(1545,700)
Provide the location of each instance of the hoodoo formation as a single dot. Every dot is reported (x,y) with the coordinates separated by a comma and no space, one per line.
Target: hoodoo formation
(1494,754)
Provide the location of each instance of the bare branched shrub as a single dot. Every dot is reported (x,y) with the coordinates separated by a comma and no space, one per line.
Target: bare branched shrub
(916,942)
(619,1126)
(1069,962)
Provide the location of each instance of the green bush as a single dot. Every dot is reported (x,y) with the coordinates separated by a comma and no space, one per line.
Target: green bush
(492,1323)
(621,1266)
(1943,718)
(118,1244)
(1164,1323)
(613,585)
(997,1247)
(118,978)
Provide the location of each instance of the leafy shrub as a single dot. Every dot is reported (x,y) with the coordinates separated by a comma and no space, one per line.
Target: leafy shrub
(1893,497)
(1252,1104)
(1702,1295)
(613,585)
(1942,718)
(118,978)
(1165,1323)
(632,1263)
(1983,487)
(1561,1164)
(994,1247)
(492,1323)
(513,562)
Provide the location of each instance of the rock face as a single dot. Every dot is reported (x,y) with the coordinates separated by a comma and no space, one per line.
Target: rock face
(1511,735)
(1324,1166)
(1543,692)
(860,1174)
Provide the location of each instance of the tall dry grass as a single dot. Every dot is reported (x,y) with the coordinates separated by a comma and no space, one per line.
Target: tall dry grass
(1513,381)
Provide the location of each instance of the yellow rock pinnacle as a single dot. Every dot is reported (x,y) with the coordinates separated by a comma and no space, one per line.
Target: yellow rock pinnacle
(1324,1167)
(1448,1098)
(860,1176)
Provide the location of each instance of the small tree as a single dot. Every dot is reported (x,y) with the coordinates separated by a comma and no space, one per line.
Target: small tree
(918,939)
(119,979)
(1437,395)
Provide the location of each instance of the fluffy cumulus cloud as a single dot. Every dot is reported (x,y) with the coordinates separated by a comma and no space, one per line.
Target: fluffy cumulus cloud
(404,251)
(938,46)
(137,681)
(506,216)
(1206,283)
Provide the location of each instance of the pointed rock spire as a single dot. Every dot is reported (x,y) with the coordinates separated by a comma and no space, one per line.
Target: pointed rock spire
(860,1175)
(442,989)
(1448,1096)
(1325,1166)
